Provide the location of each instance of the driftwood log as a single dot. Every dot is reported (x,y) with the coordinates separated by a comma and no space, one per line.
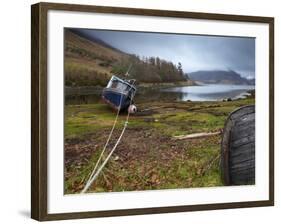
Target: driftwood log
(238,147)
(196,135)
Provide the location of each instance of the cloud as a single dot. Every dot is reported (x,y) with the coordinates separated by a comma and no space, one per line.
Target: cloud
(195,52)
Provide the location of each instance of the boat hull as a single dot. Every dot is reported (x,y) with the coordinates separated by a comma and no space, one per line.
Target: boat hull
(116,99)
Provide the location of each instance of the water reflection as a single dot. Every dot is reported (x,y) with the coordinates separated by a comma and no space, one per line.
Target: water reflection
(82,99)
(192,93)
(214,92)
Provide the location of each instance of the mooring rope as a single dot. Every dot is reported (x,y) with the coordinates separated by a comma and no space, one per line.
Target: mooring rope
(108,138)
(95,173)
(94,177)
(105,146)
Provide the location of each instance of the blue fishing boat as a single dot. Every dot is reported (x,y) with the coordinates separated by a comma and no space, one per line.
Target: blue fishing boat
(119,93)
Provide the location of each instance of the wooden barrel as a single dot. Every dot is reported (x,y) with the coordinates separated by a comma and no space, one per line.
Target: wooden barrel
(238,147)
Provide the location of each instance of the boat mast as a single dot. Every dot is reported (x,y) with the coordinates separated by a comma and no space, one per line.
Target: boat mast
(127,73)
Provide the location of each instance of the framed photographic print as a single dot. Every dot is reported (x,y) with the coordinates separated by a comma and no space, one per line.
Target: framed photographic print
(139,111)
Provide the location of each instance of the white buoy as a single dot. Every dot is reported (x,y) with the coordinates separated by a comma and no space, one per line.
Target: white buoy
(132,109)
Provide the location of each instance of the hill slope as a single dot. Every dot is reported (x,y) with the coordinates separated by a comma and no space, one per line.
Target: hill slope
(219,76)
(87,62)
(90,62)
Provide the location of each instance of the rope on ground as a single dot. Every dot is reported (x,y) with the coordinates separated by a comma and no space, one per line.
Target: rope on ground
(95,173)
(89,183)
(108,139)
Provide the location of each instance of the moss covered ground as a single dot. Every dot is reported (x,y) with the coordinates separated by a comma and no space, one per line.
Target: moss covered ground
(147,157)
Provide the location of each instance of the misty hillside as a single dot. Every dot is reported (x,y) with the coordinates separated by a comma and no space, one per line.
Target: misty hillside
(89,62)
(220,76)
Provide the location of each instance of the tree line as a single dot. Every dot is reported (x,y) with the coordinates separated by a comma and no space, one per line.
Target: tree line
(150,69)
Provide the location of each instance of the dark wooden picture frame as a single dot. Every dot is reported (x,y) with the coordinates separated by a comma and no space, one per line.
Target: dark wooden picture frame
(39,107)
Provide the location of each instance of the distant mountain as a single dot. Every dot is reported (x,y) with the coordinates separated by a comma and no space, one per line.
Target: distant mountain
(252,81)
(89,61)
(220,76)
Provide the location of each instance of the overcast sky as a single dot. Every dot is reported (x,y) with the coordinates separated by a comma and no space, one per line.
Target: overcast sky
(193,51)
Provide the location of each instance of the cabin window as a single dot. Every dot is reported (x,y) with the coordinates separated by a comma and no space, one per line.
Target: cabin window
(120,86)
(116,84)
(128,88)
(112,83)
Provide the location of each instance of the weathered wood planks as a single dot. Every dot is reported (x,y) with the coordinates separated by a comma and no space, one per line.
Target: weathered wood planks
(238,147)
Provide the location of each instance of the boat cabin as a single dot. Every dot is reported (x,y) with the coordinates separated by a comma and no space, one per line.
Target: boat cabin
(119,92)
(120,85)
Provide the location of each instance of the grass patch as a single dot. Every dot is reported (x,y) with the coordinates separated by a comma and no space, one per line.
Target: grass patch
(147,157)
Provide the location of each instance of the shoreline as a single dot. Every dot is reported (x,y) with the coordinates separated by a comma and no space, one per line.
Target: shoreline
(168,84)
(87,90)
